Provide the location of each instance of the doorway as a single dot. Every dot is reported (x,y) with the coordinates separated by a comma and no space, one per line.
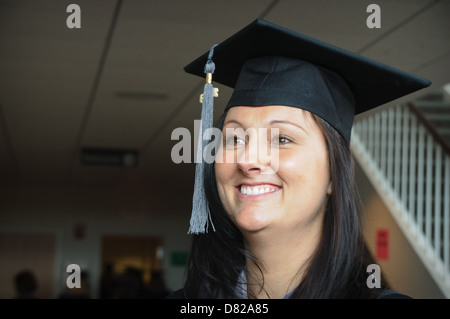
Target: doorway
(131,267)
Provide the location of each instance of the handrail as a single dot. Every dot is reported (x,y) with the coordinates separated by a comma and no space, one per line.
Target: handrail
(437,136)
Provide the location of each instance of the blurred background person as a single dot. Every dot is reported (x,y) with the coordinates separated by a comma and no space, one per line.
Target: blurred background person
(157,288)
(26,285)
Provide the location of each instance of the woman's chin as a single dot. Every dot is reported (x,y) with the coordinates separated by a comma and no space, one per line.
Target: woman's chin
(252,221)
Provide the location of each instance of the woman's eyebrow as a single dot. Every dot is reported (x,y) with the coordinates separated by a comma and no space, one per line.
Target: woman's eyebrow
(274,122)
(232,121)
(289,123)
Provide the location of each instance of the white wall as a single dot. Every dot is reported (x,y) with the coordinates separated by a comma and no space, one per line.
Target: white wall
(40,209)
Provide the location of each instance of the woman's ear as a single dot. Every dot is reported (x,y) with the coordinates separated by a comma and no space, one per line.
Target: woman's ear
(330,188)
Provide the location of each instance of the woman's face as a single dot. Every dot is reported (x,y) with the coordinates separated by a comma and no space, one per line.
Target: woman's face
(276,181)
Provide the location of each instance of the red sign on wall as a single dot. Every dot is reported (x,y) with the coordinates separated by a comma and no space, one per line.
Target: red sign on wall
(382,243)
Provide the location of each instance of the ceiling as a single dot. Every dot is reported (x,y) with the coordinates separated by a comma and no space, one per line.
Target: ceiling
(118,81)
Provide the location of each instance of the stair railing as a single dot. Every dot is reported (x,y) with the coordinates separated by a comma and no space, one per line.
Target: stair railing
(411,172)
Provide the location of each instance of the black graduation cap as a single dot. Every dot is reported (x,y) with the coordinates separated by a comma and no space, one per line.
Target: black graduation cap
(371,83)
(267,64)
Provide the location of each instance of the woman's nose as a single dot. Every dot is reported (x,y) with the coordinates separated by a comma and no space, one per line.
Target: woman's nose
(255,158)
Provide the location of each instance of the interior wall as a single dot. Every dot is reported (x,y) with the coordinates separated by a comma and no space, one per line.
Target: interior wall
(403,269)
(63,211)
(21,252)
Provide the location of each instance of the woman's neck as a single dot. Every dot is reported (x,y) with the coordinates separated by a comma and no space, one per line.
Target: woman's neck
(282,259)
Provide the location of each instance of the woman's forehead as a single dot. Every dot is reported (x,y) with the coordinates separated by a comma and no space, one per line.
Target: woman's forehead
(264,115)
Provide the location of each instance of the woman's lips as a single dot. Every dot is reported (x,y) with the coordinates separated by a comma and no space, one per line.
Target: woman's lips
(257,190)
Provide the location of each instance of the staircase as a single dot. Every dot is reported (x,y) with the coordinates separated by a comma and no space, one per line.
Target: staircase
(434,110)
(404,151)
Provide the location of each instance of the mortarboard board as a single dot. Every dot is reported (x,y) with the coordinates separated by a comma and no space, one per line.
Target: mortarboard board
(267,64)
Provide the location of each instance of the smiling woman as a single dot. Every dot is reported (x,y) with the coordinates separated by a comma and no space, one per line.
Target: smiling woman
(251,190)
(306,231)
(286,220)
(287,204)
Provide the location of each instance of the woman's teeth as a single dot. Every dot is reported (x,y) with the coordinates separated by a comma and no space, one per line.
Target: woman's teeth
(256,190)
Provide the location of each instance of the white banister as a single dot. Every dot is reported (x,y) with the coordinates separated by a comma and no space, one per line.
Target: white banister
(411,172)
(420,182)
(437,205)
(406,207)
(412,167)
(390,151)
(446,227)
(428,187)
(398,150)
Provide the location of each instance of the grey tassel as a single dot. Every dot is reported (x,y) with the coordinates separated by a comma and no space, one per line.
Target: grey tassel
(201,216)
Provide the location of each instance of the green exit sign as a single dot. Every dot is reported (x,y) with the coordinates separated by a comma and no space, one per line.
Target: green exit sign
(178,258)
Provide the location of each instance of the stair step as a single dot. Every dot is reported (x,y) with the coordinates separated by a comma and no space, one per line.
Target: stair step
(434,110)
(445,131)
(433,96)
(432,104)
(440,117)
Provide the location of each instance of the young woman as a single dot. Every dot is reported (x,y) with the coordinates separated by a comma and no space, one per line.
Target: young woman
(286,219)
(298,233)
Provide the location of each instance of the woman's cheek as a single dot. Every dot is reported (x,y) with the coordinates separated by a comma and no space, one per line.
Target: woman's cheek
(289,163)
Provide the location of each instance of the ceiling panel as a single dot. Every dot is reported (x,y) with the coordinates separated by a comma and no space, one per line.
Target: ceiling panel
(342,23)
(46,74)
(419,42)
(152,43)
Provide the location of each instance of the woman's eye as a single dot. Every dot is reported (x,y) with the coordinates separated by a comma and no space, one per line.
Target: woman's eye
(237,140)
(234,141)
(281,140)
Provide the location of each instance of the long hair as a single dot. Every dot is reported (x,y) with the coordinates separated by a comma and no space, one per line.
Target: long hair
(337,269)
